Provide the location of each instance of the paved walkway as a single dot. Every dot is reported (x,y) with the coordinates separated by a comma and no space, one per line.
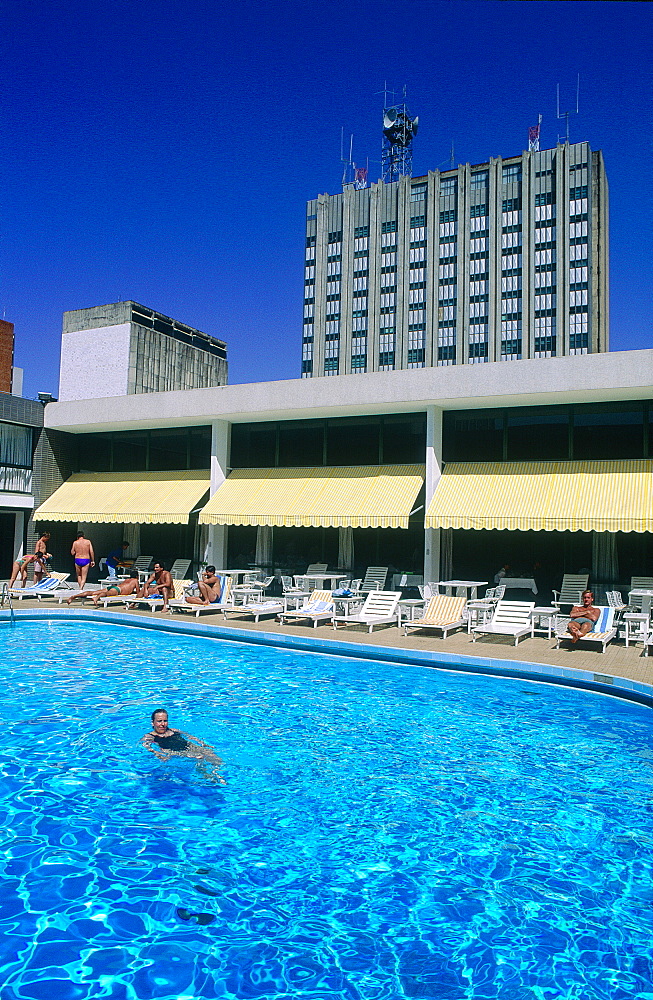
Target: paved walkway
(617,660)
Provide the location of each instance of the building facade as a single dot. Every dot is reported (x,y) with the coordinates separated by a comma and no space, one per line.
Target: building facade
(125,348)
(499,261)
(21,423)
(381,456)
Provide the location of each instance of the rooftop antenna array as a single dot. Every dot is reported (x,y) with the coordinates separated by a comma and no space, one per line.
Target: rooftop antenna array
(352,175)
(534,136)
(565,114)
(399,130)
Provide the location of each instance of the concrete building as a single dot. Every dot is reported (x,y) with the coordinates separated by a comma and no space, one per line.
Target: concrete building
(380,454)
(496,261)
(21,423)
(125,348)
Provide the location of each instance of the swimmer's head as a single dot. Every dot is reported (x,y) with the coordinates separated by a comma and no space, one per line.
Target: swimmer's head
(133,574)
(210,569)
(160,719)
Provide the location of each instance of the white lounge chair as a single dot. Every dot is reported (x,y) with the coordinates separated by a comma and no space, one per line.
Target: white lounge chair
(603,632)
(638,583)
(181,604)
(275,606)
(509,618)
(179,569)
(44,588)
(380,608)
(573,585)
(375,578)
(154,601)
(319,607)
(442,613)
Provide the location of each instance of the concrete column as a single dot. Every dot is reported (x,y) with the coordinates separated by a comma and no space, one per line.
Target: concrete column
(216,551)
(433,473)
(19,534)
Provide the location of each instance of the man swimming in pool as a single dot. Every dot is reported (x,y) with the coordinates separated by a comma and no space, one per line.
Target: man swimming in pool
(165,742)
(583,617)
(122,589)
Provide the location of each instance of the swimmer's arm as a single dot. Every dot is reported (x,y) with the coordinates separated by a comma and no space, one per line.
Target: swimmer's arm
(147,744)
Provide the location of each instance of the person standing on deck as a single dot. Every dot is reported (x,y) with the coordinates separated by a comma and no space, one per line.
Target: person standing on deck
(41,557)
(84,556)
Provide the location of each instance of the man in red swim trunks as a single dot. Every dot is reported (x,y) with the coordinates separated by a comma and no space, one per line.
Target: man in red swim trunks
(82,552)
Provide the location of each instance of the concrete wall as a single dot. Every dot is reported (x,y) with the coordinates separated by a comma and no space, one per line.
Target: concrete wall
(95,363)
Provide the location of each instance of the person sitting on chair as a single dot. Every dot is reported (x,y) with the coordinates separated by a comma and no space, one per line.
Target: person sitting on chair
(209,587)
(583,617)
(159,582)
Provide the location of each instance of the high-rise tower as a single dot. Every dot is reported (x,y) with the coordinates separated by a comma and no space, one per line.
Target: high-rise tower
(487,262)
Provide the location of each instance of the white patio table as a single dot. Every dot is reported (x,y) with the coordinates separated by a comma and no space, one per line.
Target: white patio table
(320,579)
(470,585)
(516,582)
(646,596)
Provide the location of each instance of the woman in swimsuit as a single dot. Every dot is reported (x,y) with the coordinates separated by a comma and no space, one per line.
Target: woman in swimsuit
(173,742)
(583,617)
(20,566)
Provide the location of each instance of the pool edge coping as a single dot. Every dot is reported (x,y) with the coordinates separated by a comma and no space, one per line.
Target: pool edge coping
(608,684)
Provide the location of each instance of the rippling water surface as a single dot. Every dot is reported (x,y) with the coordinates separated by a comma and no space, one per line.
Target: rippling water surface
(384,831)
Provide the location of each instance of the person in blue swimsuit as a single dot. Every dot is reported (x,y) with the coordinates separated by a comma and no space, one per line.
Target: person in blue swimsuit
(583,617)
(82,552)
(165,742)
(209,588)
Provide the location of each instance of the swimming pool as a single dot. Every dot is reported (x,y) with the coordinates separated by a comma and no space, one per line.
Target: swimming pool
(386,831)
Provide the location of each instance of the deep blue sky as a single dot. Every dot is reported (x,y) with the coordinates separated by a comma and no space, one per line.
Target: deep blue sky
(164,151)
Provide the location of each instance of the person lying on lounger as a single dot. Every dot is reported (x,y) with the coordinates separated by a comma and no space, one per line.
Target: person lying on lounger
(583,617)
(165,742)
(209,587)
(123,589)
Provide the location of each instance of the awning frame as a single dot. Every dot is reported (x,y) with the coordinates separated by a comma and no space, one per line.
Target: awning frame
(609,495)
(126,498)
(379,496)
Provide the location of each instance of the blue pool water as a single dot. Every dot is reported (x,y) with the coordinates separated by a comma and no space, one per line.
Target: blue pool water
(385,831)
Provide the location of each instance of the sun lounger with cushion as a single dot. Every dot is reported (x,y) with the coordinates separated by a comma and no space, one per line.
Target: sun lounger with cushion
(318,607)
(48,587)
(603,632)
(509,618)
(154,601)
(442,613)
(380,608)
(265,608)
(181,604)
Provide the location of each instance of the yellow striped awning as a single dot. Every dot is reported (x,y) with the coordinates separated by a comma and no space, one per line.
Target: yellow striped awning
(370,496)
(545,496)
(126,497)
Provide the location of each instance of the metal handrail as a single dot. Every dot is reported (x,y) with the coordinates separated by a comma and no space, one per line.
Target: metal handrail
(7,599)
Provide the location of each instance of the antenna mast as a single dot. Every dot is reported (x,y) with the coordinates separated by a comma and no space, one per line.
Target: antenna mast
(565,114)
(352,176)
(534,136)
(399,130)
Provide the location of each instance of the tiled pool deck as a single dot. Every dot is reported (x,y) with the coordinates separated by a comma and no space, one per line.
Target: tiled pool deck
(618,667)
